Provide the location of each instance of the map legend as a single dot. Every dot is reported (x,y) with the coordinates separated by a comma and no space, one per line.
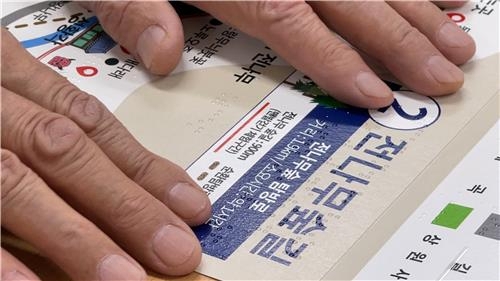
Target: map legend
(460,238)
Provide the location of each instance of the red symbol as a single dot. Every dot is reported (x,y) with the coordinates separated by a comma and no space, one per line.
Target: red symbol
(456,17)
(60,62)
(86,71)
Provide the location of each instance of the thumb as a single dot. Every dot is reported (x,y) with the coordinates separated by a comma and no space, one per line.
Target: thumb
(151,30)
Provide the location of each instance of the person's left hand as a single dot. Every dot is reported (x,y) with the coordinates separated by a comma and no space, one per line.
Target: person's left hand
(76,184)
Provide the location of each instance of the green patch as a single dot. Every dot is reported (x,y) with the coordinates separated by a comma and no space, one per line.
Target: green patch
(89,35)
(452,216)
(79,42)
(318,95)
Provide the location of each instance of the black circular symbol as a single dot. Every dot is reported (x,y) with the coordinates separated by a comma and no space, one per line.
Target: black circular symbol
(112,61)
(215,22)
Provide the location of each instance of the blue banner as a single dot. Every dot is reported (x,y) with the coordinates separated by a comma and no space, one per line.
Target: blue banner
(275,177)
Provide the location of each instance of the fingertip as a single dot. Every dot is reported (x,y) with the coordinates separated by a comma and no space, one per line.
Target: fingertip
(376,93)
(374,103)
(456,44)
(362,89)
(462,55)
(14,270)
(189,202)
(148,42)
(118,267)
(192,263)
(445,77)
(150,30)
(178,249)
(203,216)
(159,48)
(379,103)
(167,53)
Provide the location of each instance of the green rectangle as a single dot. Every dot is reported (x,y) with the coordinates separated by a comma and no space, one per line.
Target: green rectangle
(79,42)
(88,35)
(452,216)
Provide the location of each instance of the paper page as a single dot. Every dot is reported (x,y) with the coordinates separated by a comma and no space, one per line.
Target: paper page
(297,179)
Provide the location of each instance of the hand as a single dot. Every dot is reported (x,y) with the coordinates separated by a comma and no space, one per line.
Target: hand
(414,41)
(57,138)
(80,188)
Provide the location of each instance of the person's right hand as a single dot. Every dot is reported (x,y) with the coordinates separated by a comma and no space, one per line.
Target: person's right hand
(413,41)
(78,186)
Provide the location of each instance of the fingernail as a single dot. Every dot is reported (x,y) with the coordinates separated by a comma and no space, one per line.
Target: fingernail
(14,276)
(444,71)
(371,86)
(186,200)
(452,36)
(173,245)
(148,42)
(116,267)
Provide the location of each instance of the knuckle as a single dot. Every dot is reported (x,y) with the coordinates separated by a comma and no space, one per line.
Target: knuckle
(406,36)
(147,168)
(112,13)
(414,5)
(274,8)
(73,233)
(131,211)
(89,115)
(16,180)
(109,132)
(146,164)
(56,135)
(347,7)
(61,92)
(109,12)
(87,111)
(272,12)
(338,55)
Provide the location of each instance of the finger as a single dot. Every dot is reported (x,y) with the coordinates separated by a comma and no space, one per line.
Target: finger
(14,270)
(449,4)
(160,177)
(71,164)
(383,33)
(294,31)
(150,29)
(33,212)
(451,40)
